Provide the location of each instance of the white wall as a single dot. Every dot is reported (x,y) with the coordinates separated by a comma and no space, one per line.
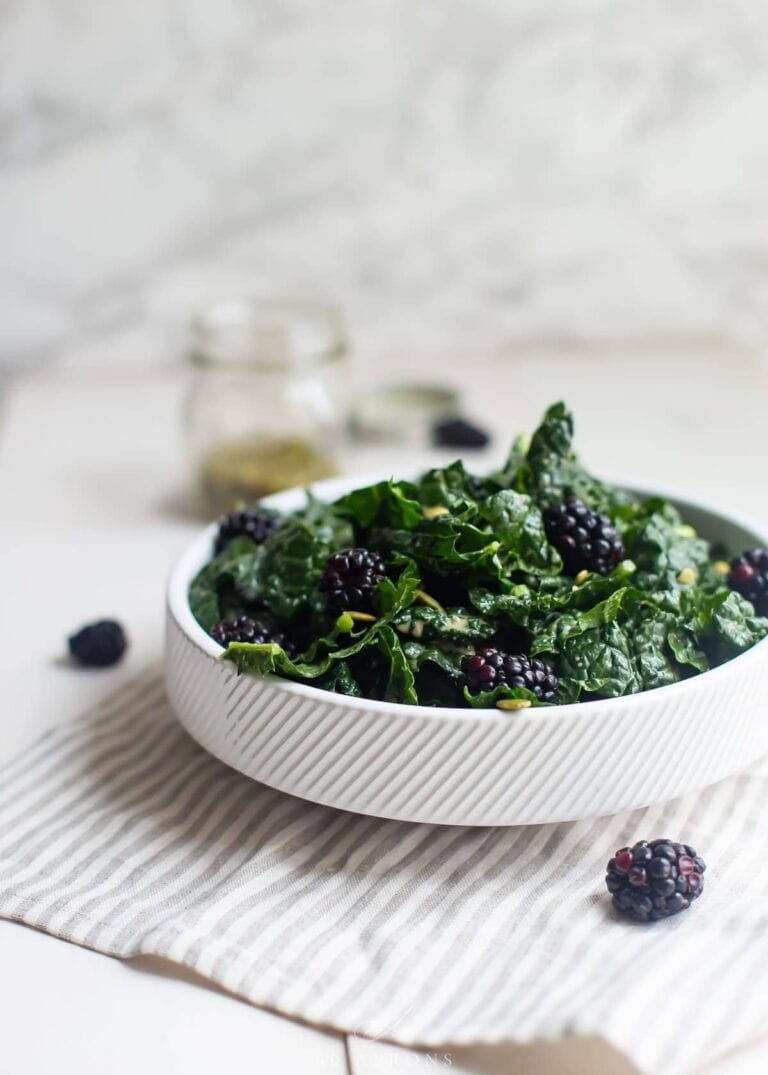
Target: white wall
(454,170)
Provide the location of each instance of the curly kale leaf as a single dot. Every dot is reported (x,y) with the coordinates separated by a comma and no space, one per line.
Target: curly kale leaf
(521,603)
(292,561)
(661,545)
(649,645)
(340,680)
(592,650)
(217,589)
(399,682)
(455,625)
(596,659)
(387,503)
(447,487)
(437,673)
(723,621)
(514,473)
(553,471)
(328,522)
(686,648)
(445,546)
(517,523)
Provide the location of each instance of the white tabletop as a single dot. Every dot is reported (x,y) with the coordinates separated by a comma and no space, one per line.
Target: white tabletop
(91,488)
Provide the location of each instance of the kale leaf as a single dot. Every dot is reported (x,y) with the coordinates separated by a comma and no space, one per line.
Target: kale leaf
(212,594)
(553,471)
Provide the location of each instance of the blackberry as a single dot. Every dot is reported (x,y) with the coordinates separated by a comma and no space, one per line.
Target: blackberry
(245,629)
(585,539)
(489,668)
(98,644)
(349,577)
(255,523)
(654,879)
(749,577)
(459,433)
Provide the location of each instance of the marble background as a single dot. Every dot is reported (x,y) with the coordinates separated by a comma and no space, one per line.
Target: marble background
(491,173)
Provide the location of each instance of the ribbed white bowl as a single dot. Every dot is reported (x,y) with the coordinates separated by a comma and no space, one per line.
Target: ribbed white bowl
(468,767)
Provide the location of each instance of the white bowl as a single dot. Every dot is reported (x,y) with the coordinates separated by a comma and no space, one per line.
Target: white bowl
(465,766)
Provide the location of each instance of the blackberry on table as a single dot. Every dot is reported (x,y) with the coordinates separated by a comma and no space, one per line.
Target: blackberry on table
(98,644)
(585,539)
(490,668)
(749,577)
(459,433)
(255,523)
(349,578)
(655,879)
(246,629)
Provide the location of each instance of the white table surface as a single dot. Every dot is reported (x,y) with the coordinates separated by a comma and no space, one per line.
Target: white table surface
(91,495)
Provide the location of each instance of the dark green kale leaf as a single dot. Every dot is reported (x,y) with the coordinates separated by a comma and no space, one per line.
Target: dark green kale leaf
(521,603)
(516,606)
(598,660)
(447,660)
(292,561)
(387,503)
(723,621)
(448,487)
(212,592)
(456,625)
(443,546)
(554,471)
(437,673)
(734,622)
(661,545)
(390,596)
(204,597)
(514,474)
(591,651)
(340,680)
(399,682)
(327,522)
(648,638)
(516,521)
(686,647)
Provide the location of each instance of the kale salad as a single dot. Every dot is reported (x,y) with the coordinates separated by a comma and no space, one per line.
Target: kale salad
(534,585)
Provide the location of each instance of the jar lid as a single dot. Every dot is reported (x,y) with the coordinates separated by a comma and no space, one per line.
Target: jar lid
(404,412)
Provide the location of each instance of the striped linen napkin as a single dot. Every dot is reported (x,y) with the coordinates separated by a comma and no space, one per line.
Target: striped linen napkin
(119,833)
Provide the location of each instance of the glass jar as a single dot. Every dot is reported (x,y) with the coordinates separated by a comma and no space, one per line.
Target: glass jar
(263,408)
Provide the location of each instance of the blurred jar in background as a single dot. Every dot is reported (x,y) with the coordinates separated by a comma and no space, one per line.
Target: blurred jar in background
(264,406)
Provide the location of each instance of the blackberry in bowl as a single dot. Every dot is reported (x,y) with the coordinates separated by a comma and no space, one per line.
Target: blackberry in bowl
(350,577)
(245,629)
(586,540)
(749,577)
(254,523)
(488,669)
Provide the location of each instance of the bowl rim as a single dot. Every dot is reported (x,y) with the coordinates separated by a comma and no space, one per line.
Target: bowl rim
(197,554)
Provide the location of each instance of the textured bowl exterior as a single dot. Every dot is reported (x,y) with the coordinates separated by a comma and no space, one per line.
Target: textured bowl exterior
(468,767)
